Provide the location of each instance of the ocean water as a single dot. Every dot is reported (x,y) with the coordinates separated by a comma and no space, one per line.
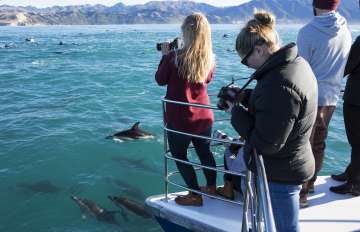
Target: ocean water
(57,103)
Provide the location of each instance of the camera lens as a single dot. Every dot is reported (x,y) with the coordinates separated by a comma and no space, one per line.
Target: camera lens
(158,46)
(222,105)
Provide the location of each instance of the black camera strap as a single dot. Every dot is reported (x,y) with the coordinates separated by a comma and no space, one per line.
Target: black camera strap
(252,77)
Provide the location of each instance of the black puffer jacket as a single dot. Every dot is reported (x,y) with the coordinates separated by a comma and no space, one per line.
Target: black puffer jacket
(352,89)
(281,113)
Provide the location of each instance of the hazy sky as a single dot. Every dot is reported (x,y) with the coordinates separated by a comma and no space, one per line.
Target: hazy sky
(46,3)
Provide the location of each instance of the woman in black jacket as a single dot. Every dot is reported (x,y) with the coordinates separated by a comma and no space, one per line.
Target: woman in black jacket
(351,110)
(278,116)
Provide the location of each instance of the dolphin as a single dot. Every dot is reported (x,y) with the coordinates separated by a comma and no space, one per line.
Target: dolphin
(138,164)
(127,189)
(132,206)
(95,210)
(8,45)
(133,133)
(30,39)
(43,186)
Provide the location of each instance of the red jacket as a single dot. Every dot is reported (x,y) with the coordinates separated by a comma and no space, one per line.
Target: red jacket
(184,118)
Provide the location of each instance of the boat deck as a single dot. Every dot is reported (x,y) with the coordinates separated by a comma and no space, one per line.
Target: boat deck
(327,212)
(330,211)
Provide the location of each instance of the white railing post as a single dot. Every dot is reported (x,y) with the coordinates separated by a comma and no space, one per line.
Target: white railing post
(264,194)
(245,220)
(165,151)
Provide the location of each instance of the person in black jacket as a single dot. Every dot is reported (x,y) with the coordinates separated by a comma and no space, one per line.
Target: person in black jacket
(351,110)
(278,116)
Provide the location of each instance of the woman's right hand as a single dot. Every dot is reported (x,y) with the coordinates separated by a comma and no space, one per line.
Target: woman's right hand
(165,48)
(240,96)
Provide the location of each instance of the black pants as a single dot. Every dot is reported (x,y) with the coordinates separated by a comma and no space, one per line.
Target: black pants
(178,147)
(352,126)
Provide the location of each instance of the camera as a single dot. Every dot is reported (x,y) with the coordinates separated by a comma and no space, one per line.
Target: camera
(233,147)
(175,44)
(227,93)
(218,134)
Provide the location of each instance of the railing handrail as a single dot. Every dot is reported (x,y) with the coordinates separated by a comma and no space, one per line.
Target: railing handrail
(203,137)
(189,104)
(203,166)
(261,183)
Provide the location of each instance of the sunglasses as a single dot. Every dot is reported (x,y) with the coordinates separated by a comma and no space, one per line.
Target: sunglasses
(246,57)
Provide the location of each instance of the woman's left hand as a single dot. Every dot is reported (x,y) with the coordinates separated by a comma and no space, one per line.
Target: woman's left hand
(165,48)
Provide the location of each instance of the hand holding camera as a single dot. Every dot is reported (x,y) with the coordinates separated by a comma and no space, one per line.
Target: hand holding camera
(166,47)
(229,96)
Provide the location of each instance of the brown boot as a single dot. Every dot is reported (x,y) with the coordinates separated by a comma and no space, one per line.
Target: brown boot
(227,191)
(303,201)
(189,199)
(209,189)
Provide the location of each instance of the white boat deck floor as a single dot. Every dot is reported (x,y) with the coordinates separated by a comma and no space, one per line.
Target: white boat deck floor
(327,212)
(214,215)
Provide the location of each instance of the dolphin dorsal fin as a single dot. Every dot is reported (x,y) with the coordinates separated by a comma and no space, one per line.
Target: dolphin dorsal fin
(135,126)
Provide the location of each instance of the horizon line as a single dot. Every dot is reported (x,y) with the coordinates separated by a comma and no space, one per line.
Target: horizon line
(90,4)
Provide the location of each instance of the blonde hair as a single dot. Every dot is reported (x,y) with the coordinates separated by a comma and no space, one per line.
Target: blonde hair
(259,30)
(196,57)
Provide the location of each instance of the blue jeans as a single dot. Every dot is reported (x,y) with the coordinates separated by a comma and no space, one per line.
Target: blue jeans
(285,204)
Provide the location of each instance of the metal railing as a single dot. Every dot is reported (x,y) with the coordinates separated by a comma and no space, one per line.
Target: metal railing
(257,209)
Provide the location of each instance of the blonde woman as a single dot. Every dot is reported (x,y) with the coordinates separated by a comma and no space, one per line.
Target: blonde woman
(279,115)
(187,73)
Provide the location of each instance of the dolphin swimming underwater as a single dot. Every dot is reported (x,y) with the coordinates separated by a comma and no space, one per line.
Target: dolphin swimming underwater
(132,206)
(95,210)
(42,186)
(137,164)
(127,189)
(133,133)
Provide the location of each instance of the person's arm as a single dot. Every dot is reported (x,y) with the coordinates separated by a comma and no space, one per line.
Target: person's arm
(163,73)
(245,100)
(353,61)
(274,118)
(242,121)
(211,74)
(239,114)
(304,46)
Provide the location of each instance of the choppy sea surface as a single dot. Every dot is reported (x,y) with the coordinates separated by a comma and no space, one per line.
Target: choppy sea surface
(58,102)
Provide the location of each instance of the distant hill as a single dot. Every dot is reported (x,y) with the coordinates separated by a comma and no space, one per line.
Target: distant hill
(164,12)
